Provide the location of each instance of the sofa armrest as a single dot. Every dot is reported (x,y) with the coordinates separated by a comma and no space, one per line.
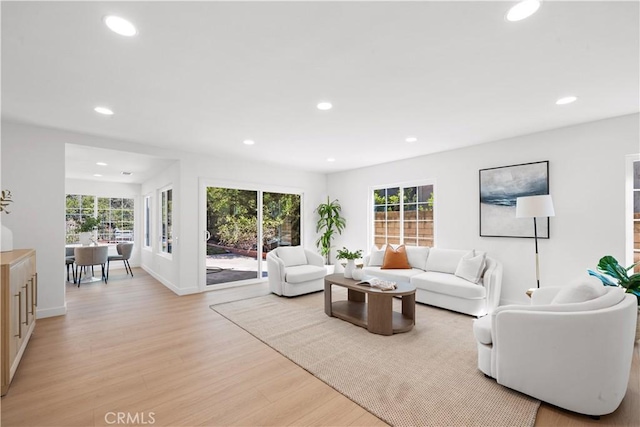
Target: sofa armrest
(314,258)
(492,282)
(276,270)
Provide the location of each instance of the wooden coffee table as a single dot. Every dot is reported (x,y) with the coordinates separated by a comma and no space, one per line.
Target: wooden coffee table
(370,307)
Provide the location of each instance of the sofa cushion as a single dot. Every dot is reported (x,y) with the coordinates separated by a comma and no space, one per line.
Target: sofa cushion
(395,275)
(303,273)
(377,256)
(581,291)
(444,260)
(448,284)
(471,266)
(482,330)
(417,256)
(395,258)
(292,255)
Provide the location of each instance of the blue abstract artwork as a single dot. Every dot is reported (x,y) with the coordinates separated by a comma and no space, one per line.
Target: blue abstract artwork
(499,189)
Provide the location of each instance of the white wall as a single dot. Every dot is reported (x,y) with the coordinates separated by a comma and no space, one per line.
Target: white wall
(113,189)
(587,182)
(164,267)
(33,169)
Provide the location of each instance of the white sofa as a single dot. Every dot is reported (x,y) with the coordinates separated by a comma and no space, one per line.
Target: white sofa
(575,355)
(293,270)
(433,274)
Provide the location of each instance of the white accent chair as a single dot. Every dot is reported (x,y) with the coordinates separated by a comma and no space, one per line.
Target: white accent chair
(571,347)
(294,270)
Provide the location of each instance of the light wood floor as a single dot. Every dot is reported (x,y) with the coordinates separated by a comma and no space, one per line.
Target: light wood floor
(133,347)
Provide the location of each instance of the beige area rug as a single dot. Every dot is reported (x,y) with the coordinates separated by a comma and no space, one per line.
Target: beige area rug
(425,377)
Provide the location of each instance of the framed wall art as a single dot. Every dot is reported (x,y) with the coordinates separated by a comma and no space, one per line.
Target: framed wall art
(499,189)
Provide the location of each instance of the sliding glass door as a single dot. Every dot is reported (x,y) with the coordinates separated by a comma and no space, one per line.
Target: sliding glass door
(242,226)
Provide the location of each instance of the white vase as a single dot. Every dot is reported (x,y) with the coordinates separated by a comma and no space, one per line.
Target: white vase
(6,239)
(348,270)
(358,274)
(85,238)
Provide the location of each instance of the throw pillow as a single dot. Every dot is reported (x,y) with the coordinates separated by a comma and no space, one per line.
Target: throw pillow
(579,291)
(377,256)
(292,255)
(395,258)
(417,256)
(471,266)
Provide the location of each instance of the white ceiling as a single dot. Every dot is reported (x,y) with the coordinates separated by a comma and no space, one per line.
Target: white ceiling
(81,163)
(203,76)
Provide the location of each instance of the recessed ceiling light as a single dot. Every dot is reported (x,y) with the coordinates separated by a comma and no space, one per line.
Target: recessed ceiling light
(566,100)
(120,26)
(331,159)
(103,110)
(411,139)
(101,164)
(248,142)
(522,10)
(125,173)
(96,174)
(324,106)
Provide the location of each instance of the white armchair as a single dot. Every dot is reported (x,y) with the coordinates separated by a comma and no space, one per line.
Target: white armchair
(572,347)
(294,270)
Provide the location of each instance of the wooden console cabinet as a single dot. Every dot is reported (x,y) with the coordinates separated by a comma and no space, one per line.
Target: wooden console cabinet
(18,300)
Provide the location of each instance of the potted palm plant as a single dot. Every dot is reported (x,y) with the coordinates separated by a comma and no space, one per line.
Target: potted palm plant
(611,273)
(329,223)
(351,258)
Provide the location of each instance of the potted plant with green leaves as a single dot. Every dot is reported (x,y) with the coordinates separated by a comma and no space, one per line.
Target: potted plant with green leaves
(611,273)
(330,222)
(86,230)
(6,236)
(351,258)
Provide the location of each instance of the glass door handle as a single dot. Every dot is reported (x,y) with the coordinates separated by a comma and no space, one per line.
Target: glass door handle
(207,235)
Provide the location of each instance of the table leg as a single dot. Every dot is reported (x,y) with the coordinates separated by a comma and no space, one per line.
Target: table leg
(409,307)
(379,314)
(327,298)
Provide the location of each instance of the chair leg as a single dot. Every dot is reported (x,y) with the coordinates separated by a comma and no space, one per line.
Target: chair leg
(79,274)
(68,265)
(107,269)
(105,276)
(73,271)
(126,261)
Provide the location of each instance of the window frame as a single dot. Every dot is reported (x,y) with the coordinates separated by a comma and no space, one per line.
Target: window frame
(147,225)
(402,186)
(161,223)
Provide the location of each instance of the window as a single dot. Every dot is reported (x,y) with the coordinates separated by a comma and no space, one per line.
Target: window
(403,215)
(116,216)
(166,220)
(636,214)
(147,222)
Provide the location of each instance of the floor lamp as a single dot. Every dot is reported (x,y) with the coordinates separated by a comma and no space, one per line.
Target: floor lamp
(532,207)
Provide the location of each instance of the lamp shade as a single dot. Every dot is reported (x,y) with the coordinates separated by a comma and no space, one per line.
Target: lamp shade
(534,206)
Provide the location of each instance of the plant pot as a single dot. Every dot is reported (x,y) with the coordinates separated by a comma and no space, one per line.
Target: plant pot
(348,270)
(358,274)
(6,239)
(85,238)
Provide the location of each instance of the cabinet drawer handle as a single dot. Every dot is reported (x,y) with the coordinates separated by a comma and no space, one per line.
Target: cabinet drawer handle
(36,293)
(26,305)
(19,295)
(32,296)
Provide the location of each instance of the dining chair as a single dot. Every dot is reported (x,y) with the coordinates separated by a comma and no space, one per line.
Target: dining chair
(124,253)
(88,256)
(69,261)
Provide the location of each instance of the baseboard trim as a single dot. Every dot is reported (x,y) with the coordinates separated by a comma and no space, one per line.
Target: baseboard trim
(42,313)
(173,288)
